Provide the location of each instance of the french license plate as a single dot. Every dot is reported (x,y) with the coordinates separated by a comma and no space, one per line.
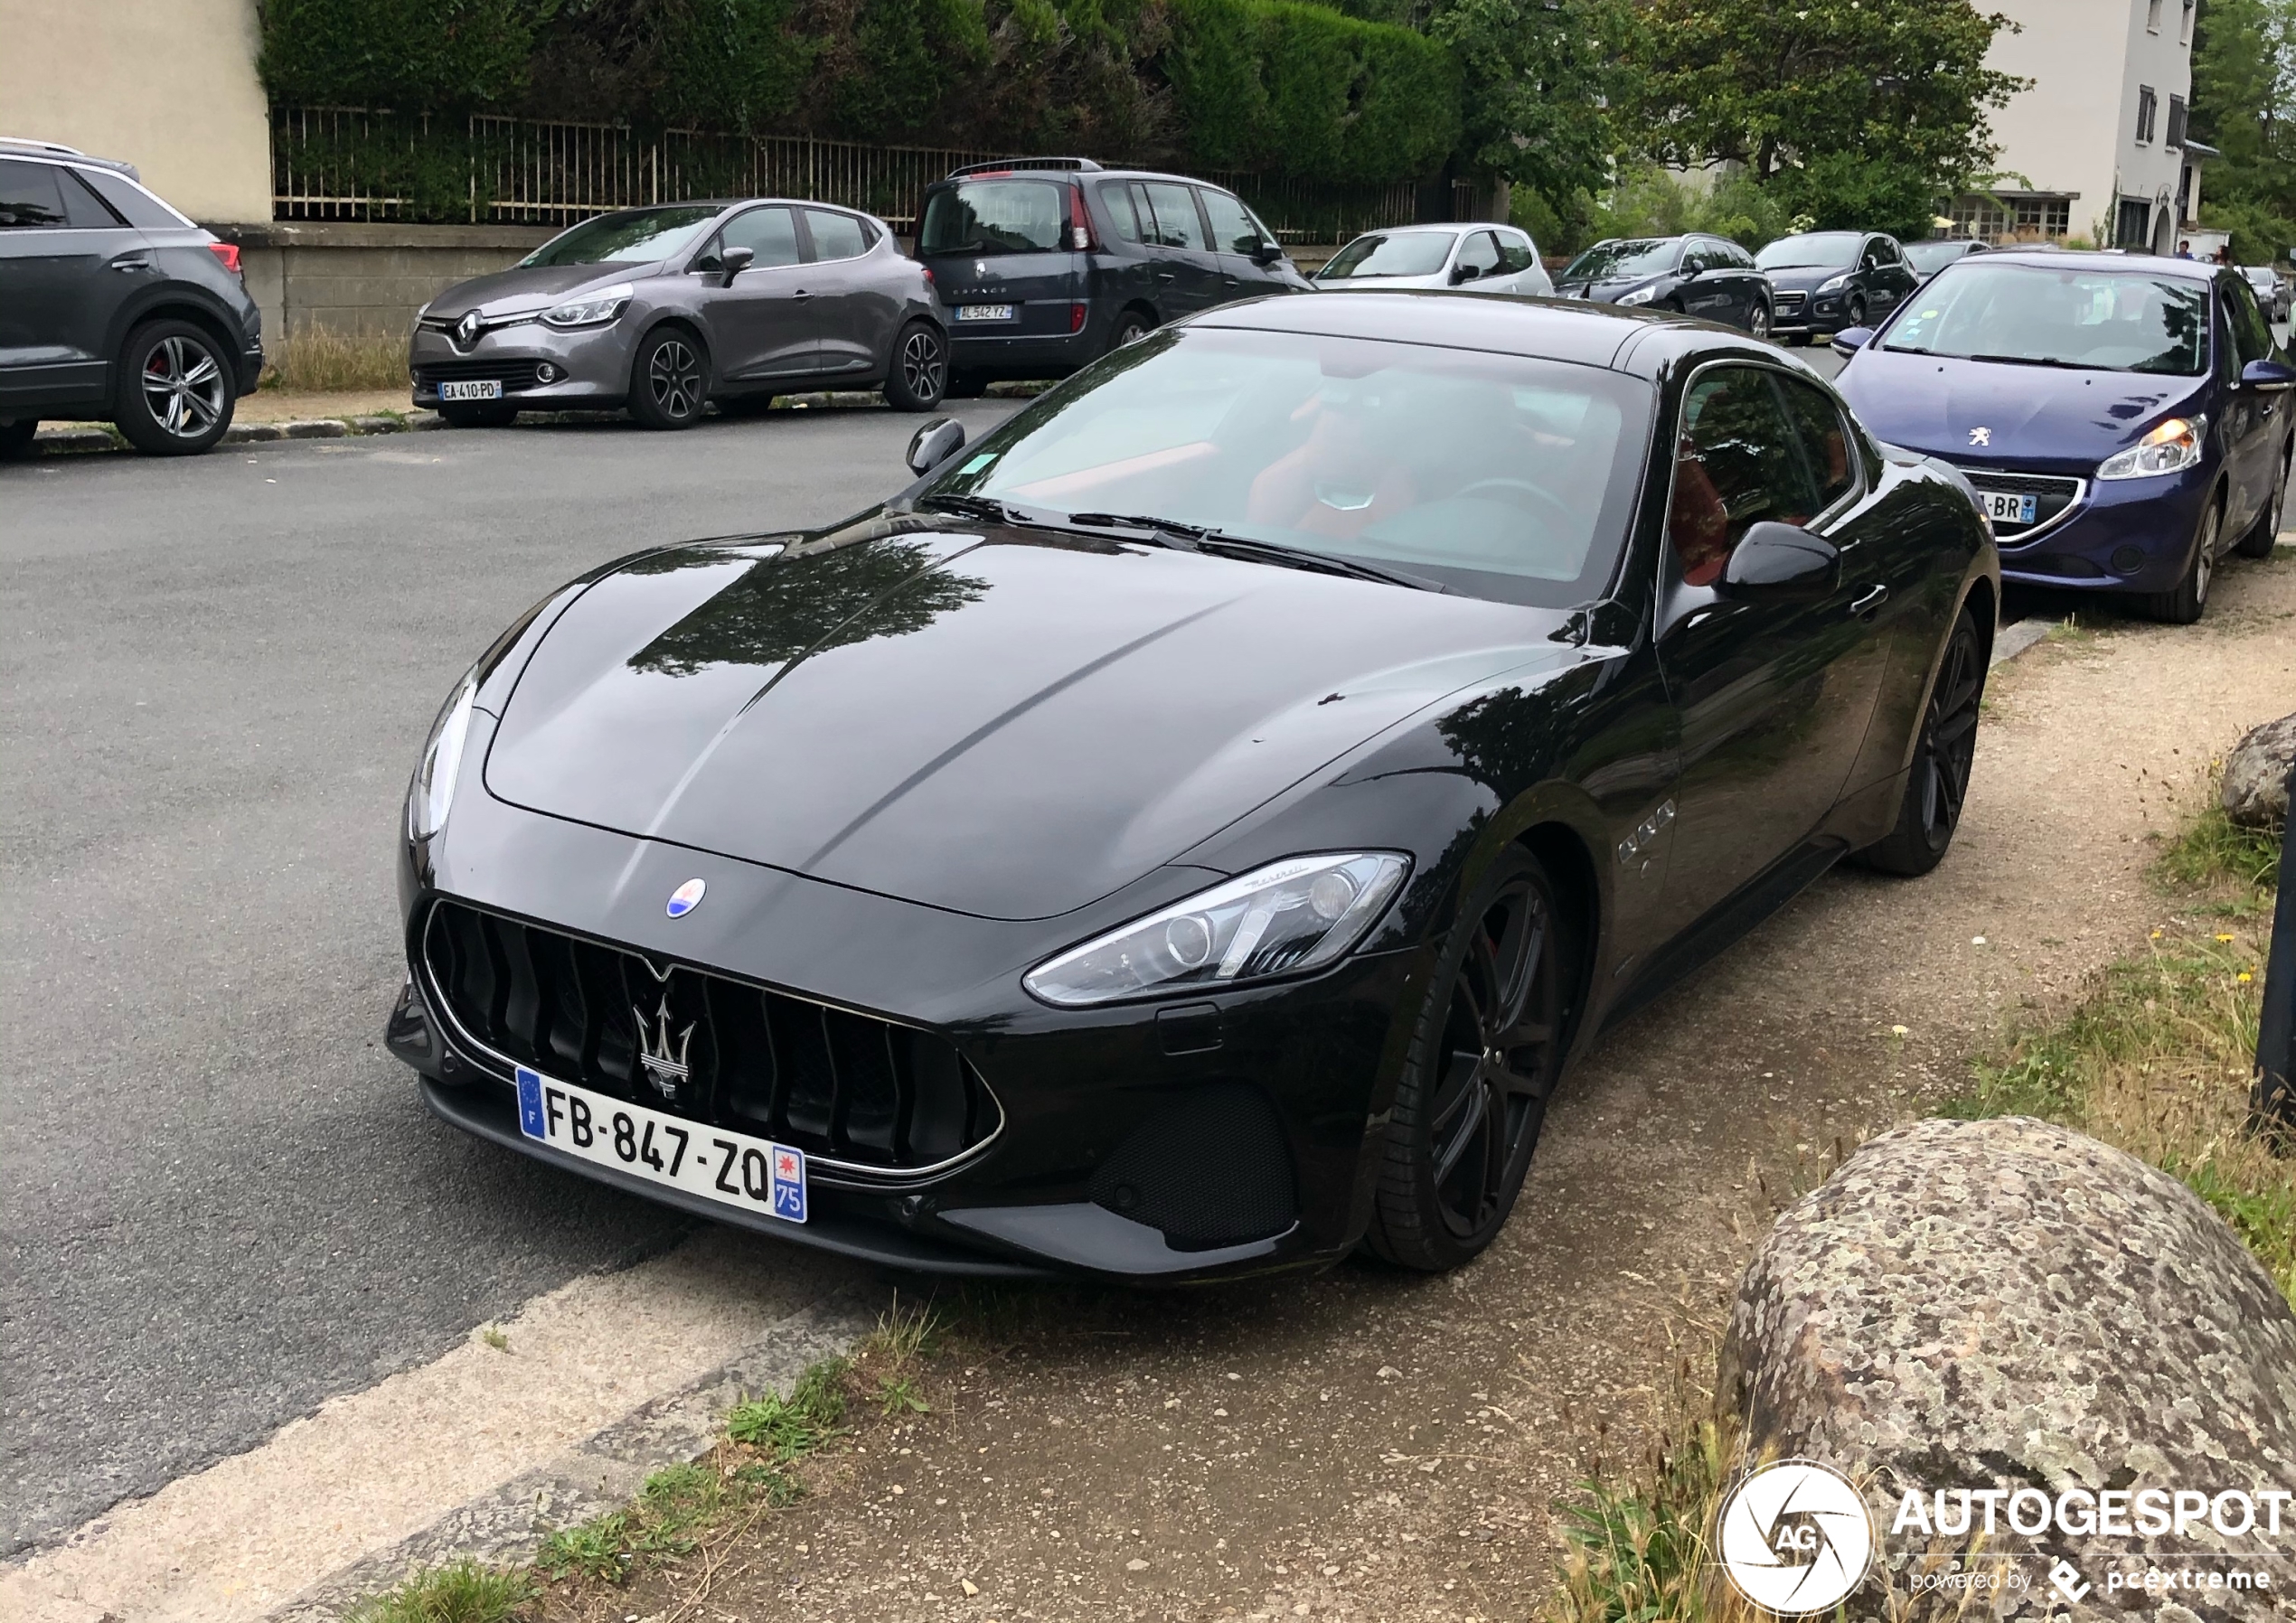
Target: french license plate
(984,313)
(476,388)
(2004,507)
(731,1169)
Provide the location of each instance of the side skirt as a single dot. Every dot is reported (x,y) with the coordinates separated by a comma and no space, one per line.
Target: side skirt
(1730,919)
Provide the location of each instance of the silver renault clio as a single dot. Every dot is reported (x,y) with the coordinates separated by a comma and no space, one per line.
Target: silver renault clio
(666,309)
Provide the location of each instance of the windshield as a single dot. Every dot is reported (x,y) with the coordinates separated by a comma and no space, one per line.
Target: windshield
(1644,257)
(1819,250)
(2261,277)
(634,236)
(1930,258)
(2102,320)
(994,217)
(1389,254)
(1498,475)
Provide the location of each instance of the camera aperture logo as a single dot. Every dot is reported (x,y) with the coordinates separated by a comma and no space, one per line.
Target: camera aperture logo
(1796,1537)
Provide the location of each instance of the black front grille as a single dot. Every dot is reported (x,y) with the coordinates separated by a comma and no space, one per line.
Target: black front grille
(515,375)
(846,1087)
(1788,303)
(2053,494)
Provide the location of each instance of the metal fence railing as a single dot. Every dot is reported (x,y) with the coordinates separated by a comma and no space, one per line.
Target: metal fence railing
(355,163)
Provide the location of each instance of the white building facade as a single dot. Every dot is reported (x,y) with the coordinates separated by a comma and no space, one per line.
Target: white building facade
(2095,147)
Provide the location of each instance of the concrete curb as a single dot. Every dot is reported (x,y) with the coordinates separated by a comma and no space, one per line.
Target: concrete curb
(602,1473)
(2018,636)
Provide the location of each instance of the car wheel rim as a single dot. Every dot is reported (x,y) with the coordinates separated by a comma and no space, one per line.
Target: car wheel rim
(1497,1059)
(183,387)
(674,376)
(2204,556)
(1949,740)
(1761,322)
(921,365)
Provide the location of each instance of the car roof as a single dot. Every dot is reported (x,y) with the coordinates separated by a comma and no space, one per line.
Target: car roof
(1567,330)
(2151,264)
(21,147)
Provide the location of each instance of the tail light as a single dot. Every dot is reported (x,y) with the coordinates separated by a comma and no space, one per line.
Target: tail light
(1076,318)
(1080,237)
(228,252)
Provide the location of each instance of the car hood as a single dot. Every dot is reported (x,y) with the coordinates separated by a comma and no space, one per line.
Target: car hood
(2034,417)
(1803,279)
(530,287)
(1007,723)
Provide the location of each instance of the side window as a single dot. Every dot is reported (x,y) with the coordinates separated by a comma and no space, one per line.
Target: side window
(771,234)
(836,236)
(1116,196)
(2251,340)
(1173,209)
(1515,253)
(131,202)
(1737,463)
(29,199)
(1701,256)
(1233,231)
(1737,256)
(85,209)
(1481,251)
(1825,439)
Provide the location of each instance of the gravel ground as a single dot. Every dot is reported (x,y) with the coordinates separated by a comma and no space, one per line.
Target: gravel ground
(1367,1444)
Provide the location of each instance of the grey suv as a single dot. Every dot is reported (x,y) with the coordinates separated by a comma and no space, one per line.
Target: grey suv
(113,306)
(665,309)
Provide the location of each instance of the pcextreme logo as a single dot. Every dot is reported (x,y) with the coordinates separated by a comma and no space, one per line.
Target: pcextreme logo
(1796,1537)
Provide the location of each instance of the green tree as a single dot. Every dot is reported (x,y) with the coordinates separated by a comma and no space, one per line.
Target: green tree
(732,64)
(2244,103)
(1859,113)
(410,54)
(1540,81)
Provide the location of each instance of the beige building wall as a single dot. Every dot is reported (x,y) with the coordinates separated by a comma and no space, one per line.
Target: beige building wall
(167,85)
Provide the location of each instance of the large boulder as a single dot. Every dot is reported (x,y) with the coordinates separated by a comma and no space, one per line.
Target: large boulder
(2010,1305)
(2256,775)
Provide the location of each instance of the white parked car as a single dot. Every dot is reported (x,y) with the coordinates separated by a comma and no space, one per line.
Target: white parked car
(1481,258)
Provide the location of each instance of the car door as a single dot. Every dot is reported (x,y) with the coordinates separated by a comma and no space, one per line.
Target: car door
(1748,286)
(761,324)
(1237,237)
(1519,265)
(2253,422)
(67,264)
(1704,293)
(1186,267)
(1476,263)
(853,304)
(1774,698)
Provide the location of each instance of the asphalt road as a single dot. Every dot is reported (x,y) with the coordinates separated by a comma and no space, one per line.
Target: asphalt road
(221,1200)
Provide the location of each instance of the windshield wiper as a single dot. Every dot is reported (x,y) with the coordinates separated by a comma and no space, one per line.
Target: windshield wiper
(2070,366)
(973,507)
(1200,538)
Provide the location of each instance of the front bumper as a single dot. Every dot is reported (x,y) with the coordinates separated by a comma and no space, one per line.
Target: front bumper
(592,364)
(1104,1111)
(2124,535)
(1805,315)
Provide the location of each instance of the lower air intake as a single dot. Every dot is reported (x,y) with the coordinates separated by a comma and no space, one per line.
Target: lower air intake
(1210,1168)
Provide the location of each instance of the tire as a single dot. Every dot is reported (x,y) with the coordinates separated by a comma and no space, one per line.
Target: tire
(2184,604)
(1943,753)
(964,385)
(177,389)
(16,436)
(478,417)
(669,379)
(1131,328)
(2260,538)
(1470,1104)
(1855,310)
(920,375)
(1758,324)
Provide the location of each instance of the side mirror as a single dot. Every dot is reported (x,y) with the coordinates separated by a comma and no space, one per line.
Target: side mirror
(1778,563)
(2268,374)
(934,443)
(1691,272)
(1850,340)
(1268,253)
(1464,273)
(735,260)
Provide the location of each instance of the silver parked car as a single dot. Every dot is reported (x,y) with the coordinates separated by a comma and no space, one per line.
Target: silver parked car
(1481,258)
(665,309)
(2274,292)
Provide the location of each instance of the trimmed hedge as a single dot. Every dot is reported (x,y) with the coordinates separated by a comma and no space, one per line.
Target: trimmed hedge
(417,54)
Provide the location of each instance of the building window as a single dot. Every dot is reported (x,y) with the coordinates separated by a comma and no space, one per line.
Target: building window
(2148,114)
(2013,218)
(2177,121)
(2184,29)
(2132,227)
(2152,15)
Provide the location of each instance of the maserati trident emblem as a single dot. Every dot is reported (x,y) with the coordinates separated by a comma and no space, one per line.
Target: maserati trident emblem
(466,330)
(1981,436)
(686,898)
(663,1056)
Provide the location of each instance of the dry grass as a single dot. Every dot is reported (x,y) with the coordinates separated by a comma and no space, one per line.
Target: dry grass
(321,362)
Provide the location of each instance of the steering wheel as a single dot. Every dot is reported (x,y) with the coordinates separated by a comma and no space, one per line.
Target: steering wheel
(1558,516)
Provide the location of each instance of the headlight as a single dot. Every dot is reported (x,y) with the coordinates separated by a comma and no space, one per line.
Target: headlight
(433,790)
(1288,917)
(2171,449)
(1641,296)
(591,309)
(1834,284)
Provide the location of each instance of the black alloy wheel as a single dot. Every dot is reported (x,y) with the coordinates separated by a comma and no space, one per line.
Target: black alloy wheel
(17,435)
(1944,756)
(1484,1061)
(1758,324)
(176,393)
(1131,328)
(669,380)
(2189,600)
(920,375)
(2260,540)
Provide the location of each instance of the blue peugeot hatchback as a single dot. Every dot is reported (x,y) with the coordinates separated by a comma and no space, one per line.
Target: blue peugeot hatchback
(2126,420)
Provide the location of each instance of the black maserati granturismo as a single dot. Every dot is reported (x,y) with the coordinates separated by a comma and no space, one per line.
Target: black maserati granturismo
(1189,830)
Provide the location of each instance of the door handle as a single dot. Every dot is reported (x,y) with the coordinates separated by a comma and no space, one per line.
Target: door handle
(132,262)
(1232,282)
(801,294)
(1870,601)
(1163,275)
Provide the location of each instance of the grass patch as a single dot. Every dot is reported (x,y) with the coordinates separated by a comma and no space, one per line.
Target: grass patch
(319,362)
(2213,853)
(1635,1550)
(462,1592)
(787,1428)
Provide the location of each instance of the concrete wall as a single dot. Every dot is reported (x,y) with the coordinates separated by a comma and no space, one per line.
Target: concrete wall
(366,281)
(167,85)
